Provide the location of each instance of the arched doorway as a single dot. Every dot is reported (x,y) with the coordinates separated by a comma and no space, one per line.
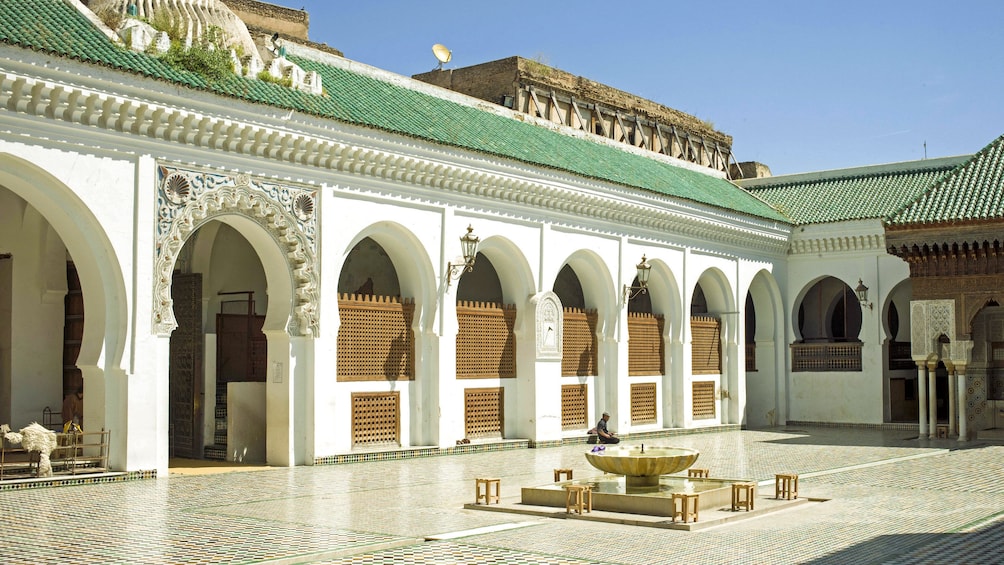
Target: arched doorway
(376,345)
(583,287)
(765,384)
(218,351)
(49,239)
(827,325)
(486,349)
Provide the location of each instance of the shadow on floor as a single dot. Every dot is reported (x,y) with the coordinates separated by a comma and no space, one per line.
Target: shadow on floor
(179,466)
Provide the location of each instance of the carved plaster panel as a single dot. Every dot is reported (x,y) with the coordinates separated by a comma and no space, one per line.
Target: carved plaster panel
(187,199)
(929,319)
(547,324)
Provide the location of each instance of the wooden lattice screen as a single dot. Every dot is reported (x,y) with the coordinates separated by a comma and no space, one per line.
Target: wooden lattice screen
(646,354)
(704,400)
(706,345)
(574,406)
(376,418)
(643,407)
(486,343)
(375,339)
(484,414)
(578,347)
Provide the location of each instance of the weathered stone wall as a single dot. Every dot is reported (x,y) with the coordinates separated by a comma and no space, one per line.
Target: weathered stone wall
(487,81)
(490,81)
(286,21)
(749,170)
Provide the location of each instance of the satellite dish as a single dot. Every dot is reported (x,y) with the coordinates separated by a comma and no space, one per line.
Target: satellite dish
(442,54)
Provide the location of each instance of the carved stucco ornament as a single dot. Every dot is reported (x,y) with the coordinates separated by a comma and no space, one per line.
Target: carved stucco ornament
(930,319)
(547,324)
(188,199)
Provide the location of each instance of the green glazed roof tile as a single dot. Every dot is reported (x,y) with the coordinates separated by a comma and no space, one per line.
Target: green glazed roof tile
(860,193)
(55,27)
(972,192)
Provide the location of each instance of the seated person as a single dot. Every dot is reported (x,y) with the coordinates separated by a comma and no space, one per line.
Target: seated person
(605,435)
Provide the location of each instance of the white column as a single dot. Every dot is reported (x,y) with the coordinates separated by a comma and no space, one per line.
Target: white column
(922,397)
(953,377)
(932,402)
(962,404)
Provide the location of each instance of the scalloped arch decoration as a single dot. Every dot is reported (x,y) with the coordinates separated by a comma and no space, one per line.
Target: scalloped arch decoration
(280,210)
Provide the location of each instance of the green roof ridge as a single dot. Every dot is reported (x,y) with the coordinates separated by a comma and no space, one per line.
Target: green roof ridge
(860,193)
(973,191)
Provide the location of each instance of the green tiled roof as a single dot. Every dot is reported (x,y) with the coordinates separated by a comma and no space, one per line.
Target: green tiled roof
(860,193)
(53,26)
(972,192)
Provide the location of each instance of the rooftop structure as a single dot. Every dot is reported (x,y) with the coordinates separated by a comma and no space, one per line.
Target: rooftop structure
(534,88)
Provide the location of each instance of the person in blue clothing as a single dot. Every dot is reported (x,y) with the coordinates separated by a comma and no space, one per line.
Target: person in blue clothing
(605,435)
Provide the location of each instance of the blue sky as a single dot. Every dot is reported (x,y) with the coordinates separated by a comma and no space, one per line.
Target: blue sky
(800,85)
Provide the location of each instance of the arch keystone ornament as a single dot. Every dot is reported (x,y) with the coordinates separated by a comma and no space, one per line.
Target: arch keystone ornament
(188,199)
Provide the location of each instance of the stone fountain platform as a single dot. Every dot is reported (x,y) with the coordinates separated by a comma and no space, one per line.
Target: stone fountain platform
(652,509)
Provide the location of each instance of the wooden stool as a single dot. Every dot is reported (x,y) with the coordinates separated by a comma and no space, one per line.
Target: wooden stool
(786,485)
(487,494)
(941,431)
(559,472)
(698,473)
(743,495)
(578,497)
(689,503)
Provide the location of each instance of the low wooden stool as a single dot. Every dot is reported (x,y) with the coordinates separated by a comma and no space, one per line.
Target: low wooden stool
(689,503)
(941,431)
(559,472)
(487,494)
(578,498)
(786,485)
(743,495)
(698,473)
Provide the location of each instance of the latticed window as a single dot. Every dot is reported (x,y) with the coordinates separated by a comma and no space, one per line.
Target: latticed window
(646,354)
(574,405)
(376,418)
(375,339)
(486,342)
(578,348)
(706,345)
(484,416)
(643,403)
(704,400)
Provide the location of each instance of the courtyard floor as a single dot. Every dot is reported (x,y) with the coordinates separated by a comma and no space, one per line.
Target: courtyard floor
(877,496)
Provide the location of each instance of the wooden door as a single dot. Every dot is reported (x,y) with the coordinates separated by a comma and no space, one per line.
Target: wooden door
(186,375)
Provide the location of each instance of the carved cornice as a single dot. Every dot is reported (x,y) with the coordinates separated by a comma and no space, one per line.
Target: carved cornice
(629,209)
(838,244)
(952,259)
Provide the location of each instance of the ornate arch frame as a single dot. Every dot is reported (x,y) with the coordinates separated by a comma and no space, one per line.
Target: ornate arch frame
(187,199)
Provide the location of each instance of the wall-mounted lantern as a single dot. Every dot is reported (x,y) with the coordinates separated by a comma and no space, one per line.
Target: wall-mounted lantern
(469,246)
(862,291)
(630,292)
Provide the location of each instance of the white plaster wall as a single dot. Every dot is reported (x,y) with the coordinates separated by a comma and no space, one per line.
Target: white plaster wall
(246,422)
(840,397)
(36,315)
(852,251)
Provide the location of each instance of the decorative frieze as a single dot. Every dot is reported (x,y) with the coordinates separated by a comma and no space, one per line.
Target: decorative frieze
(837,244)
(568,197)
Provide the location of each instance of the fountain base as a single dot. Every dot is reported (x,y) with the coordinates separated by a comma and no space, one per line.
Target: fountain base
(613,493)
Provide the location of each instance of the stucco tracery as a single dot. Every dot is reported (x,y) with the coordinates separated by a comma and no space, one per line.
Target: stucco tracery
(187,199)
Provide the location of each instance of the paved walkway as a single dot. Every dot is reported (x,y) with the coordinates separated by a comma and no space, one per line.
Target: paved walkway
(890,498)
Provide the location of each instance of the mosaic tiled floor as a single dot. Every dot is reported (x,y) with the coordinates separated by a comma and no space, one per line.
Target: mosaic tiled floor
(891,500)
